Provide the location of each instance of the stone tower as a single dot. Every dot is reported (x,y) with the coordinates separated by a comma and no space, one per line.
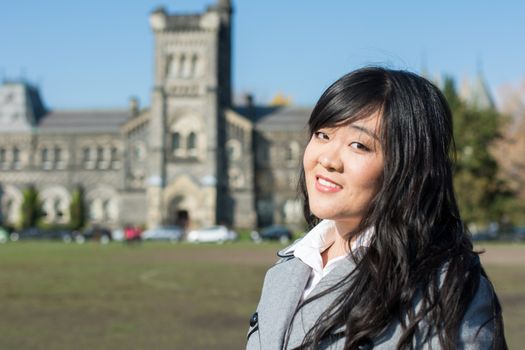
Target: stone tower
(187,180)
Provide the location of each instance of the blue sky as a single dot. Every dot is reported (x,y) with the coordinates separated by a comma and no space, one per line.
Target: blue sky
(96,54)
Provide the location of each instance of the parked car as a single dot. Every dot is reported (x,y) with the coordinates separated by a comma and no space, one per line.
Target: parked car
(217,234)
(519,234)
(35,233)
(163,233)
(99,234)
(118,234)
(274,232)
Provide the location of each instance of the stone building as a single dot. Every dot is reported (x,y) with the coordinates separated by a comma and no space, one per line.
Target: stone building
(191,158)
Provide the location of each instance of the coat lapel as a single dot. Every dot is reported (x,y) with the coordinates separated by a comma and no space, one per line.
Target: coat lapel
(310,312)
(283,288)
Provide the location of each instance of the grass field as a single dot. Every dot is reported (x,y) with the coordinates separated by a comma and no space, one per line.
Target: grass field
(164,296)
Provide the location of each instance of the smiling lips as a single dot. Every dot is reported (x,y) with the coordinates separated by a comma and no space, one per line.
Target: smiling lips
(323,184)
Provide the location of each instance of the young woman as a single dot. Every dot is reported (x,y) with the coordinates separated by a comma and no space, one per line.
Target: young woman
(387,263)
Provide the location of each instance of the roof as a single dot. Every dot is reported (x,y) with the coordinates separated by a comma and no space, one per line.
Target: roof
(28,102)
(84,121)
(282,118)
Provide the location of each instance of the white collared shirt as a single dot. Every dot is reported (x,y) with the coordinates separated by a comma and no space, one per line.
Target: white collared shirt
(309,250)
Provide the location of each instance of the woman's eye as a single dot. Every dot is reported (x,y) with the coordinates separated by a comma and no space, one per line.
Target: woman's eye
(359,146)
(321,135)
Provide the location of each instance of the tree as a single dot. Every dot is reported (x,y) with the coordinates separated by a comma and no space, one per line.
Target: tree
(483,197)
(510,149)
(77,209)
(31,208)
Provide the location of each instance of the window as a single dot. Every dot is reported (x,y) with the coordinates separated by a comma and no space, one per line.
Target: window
(45,155)
(192,141)
(171,66)
(293,152)
(3,154)
(16,157)
(59,161)
(115,158)
(102,157)
(175,141)
(46,164)
(182,66)
(192,144)
(193,69)
(88,157)
(86,154)
(100,154)
(58,154)
(114,154)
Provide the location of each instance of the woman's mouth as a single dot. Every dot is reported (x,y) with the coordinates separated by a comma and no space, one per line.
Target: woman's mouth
(325,185)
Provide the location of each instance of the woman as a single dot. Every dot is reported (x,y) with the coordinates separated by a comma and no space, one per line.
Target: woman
(388,263)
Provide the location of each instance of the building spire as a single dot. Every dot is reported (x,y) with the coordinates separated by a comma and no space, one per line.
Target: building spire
(224,3)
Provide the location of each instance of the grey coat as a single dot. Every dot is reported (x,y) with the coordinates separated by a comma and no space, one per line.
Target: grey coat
(282,290)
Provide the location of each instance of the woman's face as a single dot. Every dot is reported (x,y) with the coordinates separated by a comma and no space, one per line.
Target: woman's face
(342,167)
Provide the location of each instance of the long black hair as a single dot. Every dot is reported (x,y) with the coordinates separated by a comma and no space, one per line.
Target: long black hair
(418,232)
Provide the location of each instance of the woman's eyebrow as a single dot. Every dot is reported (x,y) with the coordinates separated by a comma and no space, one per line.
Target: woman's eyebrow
(365,130)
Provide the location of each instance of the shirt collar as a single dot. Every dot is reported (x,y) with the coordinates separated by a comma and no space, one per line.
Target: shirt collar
(310,247)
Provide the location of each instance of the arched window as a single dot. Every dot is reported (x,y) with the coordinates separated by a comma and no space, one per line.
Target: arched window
(59,158)
(88,157)
(45,155)
(114,153)
(192,144)
(46,161)
(193,69)
(16,157)
(171,66)
(182,65)
(100,154)
(114,156)
(292,151)
(58,154)
(86,154)
(192,141)
(175,141)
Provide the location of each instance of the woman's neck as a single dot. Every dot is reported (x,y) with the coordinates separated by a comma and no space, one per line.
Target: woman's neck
(338,248)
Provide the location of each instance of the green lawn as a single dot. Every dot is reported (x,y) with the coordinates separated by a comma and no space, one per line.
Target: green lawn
(158,296)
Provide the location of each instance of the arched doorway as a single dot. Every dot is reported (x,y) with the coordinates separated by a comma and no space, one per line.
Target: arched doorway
(178,213)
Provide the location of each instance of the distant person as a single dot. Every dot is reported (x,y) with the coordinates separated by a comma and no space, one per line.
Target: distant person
(388,263)
(132,234)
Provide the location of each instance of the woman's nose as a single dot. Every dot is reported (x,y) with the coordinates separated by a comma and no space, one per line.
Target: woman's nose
(331,161)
